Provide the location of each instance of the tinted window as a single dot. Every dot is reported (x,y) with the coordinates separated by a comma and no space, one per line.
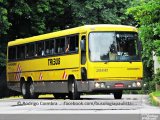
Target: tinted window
(72,44)
(30,50)
(39,49)
(49,47)
(60,45)
(12,53)
(52,48)
(20,52)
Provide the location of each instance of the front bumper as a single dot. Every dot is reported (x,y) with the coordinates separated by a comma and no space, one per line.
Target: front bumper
(106,85)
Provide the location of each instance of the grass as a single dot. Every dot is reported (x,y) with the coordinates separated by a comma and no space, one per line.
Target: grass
(153,98)
(157,93)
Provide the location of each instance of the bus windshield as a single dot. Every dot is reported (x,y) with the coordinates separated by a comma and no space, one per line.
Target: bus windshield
(113,46)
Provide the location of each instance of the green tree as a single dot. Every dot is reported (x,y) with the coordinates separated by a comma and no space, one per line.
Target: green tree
(146,13)
(4,23)
(25,18)
(4,27)
(99,12)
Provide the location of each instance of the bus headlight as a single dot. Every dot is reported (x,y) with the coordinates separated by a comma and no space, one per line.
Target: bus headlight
(138,84)
(97,85)
(102,85)
(134,84)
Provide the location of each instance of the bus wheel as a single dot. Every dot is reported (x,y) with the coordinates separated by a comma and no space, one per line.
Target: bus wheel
(74,94)
(24,90)
(32,93)
(118,94)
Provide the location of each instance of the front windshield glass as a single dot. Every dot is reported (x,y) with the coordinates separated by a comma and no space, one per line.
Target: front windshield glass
(113,46)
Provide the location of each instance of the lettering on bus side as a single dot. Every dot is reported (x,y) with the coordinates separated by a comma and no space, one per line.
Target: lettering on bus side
(54,61)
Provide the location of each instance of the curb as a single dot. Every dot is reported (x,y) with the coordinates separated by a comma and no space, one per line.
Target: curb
(154,100)
(20,97)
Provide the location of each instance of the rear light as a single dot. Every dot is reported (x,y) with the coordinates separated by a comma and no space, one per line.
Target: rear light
(119,85)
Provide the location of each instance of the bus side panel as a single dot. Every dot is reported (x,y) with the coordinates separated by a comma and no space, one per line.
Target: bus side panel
(49,74)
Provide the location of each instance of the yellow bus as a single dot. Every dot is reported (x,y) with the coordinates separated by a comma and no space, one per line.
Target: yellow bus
(86,59)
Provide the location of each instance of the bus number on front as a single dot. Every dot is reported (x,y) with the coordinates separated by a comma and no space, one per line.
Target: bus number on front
(54,61)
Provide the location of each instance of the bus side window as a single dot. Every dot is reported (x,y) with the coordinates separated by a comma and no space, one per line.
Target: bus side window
(83,52)
(47,44)
(39,49)
(20,52)
(72,44)
(52,49)
(12,53)
(60,45)
(30,50)
(67,45)
(77,43)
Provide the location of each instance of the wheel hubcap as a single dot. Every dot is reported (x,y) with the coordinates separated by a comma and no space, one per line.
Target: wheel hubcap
(23,89)
(72,87)
(32,89)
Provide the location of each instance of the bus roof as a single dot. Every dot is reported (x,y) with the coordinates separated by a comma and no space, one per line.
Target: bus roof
(76,30)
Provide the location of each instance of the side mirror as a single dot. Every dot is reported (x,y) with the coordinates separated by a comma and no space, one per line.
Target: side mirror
(83,45)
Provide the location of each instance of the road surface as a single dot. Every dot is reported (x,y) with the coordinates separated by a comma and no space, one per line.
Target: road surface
(136,107)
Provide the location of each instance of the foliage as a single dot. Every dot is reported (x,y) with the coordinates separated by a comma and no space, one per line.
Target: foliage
(146,13)
(157,46)
(4,23)
(157,77)
(2,59)
(25,18)
(157,93)
(152,96)
(99,12)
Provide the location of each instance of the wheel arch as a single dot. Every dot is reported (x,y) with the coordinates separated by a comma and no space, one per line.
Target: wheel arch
(29,79)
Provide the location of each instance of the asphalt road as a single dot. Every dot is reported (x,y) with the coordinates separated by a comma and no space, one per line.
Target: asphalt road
(134,107)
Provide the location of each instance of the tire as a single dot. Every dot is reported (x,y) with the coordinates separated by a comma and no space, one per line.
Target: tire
(74,94)
(118,94)
(32,94)
(24,90)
